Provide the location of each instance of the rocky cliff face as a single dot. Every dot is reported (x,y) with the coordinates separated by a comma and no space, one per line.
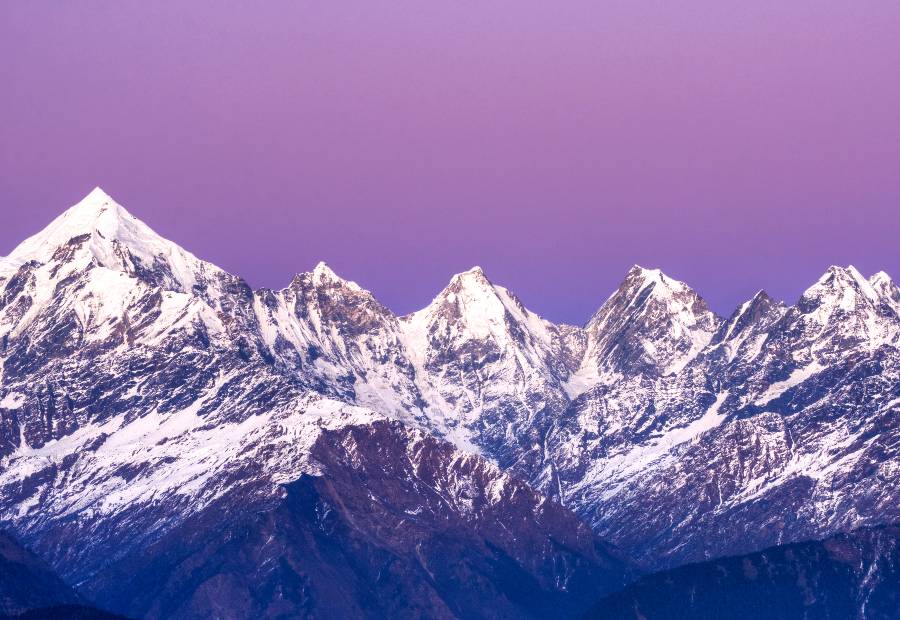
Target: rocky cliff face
(141,386)
(398,524)
(852,575)
(784,427)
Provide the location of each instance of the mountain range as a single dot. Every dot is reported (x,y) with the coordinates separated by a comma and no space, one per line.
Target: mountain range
(306,452)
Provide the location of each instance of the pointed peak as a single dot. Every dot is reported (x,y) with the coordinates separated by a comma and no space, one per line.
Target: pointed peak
(475,271)
(762,296)
(95,214)
(94,204)
(644,286)
(323,275)
(884,286)
(844,273)
(841,284)
(473,276)
(103,228)
(880,278)
(97,195)
(636,272)
(322,270)
(638,279)
(761,301)
(839,276)
(759,310)
(471,285)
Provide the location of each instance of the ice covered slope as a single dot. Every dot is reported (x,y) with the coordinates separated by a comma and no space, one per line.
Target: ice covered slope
(136,396)
(784,427)
(99,231)
(690,428)
(651,326)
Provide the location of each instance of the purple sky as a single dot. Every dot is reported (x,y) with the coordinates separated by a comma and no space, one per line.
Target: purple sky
(737,145)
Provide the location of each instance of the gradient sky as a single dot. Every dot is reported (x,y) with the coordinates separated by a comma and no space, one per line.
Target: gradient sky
(736,145)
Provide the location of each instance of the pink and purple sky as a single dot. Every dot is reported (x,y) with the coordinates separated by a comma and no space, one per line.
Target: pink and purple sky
(736,145)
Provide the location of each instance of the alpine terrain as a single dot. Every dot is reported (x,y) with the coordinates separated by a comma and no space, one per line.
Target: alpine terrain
(175,444)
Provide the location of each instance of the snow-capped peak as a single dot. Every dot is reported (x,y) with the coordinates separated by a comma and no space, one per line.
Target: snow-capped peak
(651,322)
(760,300)
(475,271)
(467,290)
(324,276)
(882,283)
(647,275)
(322,268)
(642,284)
(96,196)
(100,229)
(845,304)
(472,307)
(470,288)
(880,279)
(841,285)
(96,212)
(322,272)
(662,283)
(753,314)
(887,289)
(474,277)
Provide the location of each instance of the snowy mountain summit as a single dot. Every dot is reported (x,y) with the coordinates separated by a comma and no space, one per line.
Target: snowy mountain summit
(144,390)
(101,231)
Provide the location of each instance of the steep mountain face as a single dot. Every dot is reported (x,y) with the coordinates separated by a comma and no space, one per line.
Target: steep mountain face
(26,582)
(475,366)
(846,576)
(399,525)
(148,395)
(491,370)
(97,311)
(784,427)
(134,383)
(143,390)
(340,337)
(651,327)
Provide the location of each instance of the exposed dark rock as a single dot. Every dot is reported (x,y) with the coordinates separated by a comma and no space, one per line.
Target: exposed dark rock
(847,576)
(26,583)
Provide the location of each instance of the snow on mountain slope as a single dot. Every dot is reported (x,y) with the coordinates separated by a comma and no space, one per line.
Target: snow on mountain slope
(432,532)
(805,411)
(338,334)
(887,290)
(110,237)
(651,326)
(80,497)
(131,403)
(489,367)
(671,431)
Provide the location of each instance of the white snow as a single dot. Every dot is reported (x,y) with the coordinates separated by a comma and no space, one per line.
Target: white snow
(178,453)
(619,468)
(13,400)
(393,366)
(106,222)
(323,274)
(780,387)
